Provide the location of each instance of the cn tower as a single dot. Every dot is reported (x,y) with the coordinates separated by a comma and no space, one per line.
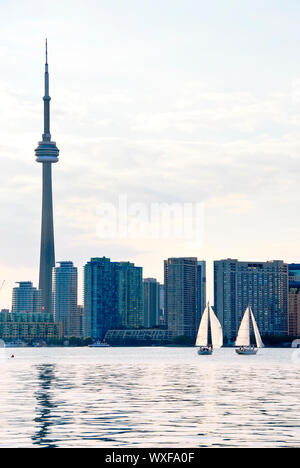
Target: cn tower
(47,154)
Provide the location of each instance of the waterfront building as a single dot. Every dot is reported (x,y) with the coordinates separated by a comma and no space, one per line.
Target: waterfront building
(180,280)
(101,297)
(47,154)
(262,285)
(151,302)
(29,327)
(201,289)
(162,304)
(113,296)
(26,298)
(79,321)
(294,299)
(131,307)
(64,285)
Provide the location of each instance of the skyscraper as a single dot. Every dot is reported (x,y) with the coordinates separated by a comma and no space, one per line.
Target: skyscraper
(131,295)
(151,302)
(26,298)
(162,320)
(79,321)
(262,285)
(181,295)
(47,154)
(64,284)
(294,299)
(101,297)
(113,296)
(201,289)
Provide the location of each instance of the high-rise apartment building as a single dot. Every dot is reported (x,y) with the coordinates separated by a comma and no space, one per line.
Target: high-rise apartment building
(201,289)
(101,297)
(162,320)
(79,321)
(180,280)
(151,302)
(294,299)
(131,305)
(262,285)
(113,296)
(64,287)
(26,298)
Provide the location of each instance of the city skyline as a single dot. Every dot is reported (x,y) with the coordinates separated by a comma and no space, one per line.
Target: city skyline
(157,125)
(116,295)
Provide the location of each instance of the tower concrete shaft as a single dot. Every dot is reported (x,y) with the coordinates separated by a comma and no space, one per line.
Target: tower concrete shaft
(47,154)
(47,254)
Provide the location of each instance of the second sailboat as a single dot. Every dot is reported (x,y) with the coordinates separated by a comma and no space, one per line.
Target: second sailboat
(244,335)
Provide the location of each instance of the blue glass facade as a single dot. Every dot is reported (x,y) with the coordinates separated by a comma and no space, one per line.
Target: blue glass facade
(113,296)
(101,297)
(294,299)
(294,275)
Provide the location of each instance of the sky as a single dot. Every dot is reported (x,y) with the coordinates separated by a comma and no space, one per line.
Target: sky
(158,102)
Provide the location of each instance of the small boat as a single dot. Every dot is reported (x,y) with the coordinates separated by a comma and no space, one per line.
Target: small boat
(99,344)
(210,334)
(246,350)
(205,350)
(15,344)
(243,339)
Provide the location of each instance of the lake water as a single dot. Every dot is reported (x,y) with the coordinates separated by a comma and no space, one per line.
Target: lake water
(149,397)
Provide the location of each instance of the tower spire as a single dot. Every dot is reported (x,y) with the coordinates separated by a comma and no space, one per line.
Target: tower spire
(46,98)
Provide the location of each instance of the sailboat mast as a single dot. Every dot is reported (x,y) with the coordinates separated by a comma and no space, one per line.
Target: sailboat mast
(209,339)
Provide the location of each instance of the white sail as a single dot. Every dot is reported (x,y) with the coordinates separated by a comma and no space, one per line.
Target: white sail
(258,339)
(243,338)
(216,329)
(202,336)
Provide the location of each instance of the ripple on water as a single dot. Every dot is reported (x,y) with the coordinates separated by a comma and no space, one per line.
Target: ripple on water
(164,397)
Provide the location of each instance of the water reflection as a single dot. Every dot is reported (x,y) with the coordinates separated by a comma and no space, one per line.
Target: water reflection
(153,398)
(110,405)
(45,418)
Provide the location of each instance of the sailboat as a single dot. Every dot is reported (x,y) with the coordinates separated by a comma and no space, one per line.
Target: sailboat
(210,334)
(243,338)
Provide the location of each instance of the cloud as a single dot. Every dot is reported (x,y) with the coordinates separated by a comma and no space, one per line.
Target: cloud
(156,108)
(233,203)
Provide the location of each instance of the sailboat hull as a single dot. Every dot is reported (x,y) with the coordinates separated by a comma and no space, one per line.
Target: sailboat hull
(246,351)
